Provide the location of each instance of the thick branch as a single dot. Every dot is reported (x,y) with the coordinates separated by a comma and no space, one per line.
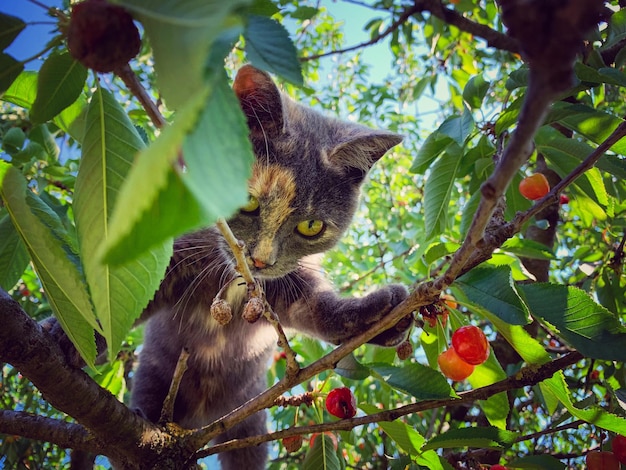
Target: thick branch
(38,357)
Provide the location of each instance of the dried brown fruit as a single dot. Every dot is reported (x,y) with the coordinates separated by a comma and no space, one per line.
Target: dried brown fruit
(404,350)
(292,443)
(253,309)
(221,311)
(102,36)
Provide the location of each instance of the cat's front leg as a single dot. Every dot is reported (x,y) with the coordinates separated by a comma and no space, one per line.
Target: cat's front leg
(324,314)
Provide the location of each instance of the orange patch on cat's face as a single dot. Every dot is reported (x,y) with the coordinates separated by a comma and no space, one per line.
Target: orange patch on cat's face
(275,188)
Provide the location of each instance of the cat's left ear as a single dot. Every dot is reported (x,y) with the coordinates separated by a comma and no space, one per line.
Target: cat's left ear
(357,155)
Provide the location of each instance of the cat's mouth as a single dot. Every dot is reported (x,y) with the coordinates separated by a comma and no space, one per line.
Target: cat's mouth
(265,270)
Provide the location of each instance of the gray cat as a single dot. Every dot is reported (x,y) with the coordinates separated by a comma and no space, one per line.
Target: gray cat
(303,194)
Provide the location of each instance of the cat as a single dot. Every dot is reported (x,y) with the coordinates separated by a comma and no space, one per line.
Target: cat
(303,191)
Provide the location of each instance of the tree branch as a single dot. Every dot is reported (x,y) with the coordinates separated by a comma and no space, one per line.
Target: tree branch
(528,376)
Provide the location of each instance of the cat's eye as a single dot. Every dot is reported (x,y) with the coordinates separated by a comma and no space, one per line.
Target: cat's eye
(251,206)
(310,228)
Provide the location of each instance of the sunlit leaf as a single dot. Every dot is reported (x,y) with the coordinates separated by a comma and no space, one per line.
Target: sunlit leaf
(418,380)
(350,368)
(9,71)
(475,90)
(54,259)
(322,455)
(493,288)
(269,47)
(13,255)
(119,293)
(59,83)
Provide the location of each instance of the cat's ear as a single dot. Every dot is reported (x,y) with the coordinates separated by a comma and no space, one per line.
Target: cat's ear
(357,155)
(260,101)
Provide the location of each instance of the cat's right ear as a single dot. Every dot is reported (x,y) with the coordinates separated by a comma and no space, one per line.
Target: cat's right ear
(260,102)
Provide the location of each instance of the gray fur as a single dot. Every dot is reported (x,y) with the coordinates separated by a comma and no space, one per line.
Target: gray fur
(320,164)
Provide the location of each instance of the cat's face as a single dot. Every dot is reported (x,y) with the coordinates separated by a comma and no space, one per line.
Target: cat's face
(305,183)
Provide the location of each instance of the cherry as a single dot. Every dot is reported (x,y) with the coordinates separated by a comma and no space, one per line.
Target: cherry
(601,461)
(534,186)
(470,344)
(498,467)
(563,199)
(618,446)
(341,403)
(452,366)
(292,443)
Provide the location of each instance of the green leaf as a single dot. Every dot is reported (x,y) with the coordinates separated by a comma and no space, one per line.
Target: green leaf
(13,140)
(10,27)
(475,90)
(54,259)
(13,255)
(438,188)
(493,288)
(218,158)
(119,293)
(458,128)
(9,71)
(582,323)
(481,437)
(23,92)
(496,407)
(181,35)
(591,414)
(432,147)
(537,462)
(269,47)
(322,455)
(60,82)
(417,380)
(350,368)
(527,248)
(304,13)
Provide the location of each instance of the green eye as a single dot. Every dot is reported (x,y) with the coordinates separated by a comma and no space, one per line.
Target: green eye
(310,228)
(253,205)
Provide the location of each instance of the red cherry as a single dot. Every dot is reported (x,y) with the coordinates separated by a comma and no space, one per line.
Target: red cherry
(453,367)
(534,186)
(498,467)
(601,461)
(341,403)
(618,445)
(563,199)
(470,344)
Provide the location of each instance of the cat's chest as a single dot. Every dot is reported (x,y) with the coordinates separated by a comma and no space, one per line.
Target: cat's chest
(237,338)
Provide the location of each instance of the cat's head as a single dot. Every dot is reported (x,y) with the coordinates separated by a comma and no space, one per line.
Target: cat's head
(305,182)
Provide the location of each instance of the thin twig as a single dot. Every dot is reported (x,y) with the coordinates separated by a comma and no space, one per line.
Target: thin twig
(167,412)
(137,89)
(254,290)
(528,376)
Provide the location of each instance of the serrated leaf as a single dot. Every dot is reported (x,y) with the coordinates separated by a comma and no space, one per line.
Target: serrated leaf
(481,437)
(493,288)
(181,35)
(119,293)
(475,90)
(23,92)
(458,128)
(591,414)
(13,255)
(438,188)
(582,323)
(10,27)
(322,455)
(59,83)
(417,380)
(218,155)
(432,147)
(54,260)
(527,248)
(350,368)
(269,47)
(10,69)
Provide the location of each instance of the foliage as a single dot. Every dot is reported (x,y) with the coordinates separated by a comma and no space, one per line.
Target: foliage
(78,237)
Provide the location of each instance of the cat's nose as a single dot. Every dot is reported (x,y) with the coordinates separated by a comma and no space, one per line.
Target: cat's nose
(259,263)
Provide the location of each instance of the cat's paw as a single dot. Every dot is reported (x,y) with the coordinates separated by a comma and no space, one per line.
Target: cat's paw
(52,326)
(395,335)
